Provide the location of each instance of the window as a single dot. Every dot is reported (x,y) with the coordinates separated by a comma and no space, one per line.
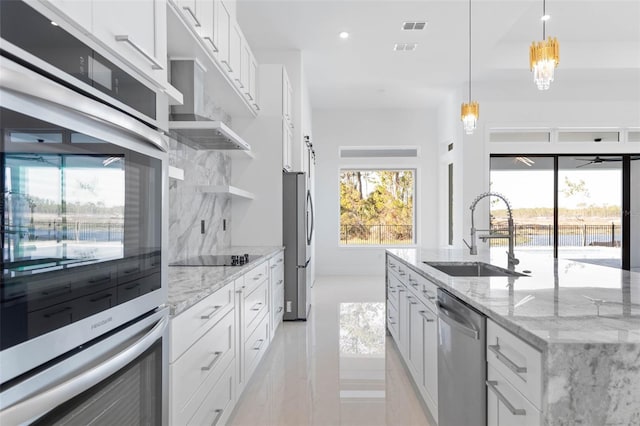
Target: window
(377,207)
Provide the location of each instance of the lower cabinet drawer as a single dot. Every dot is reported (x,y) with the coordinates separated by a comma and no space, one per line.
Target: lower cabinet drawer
(219,402)
(200,367)
(392,320)
(505,405)
(255,305)
(255,346)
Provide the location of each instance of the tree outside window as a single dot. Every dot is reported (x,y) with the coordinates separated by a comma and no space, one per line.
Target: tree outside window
(377,207)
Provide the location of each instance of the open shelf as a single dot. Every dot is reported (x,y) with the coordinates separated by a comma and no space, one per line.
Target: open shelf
(226,189)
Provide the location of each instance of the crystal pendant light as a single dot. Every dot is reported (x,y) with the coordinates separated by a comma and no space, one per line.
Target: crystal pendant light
(544,56)
(470,110)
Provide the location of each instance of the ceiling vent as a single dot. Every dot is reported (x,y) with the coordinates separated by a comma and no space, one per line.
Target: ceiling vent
(378,152)
(405,47)
(414,25)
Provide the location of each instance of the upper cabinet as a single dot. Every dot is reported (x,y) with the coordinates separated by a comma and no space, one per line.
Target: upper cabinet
(137,31)
(79,12)
(206,30)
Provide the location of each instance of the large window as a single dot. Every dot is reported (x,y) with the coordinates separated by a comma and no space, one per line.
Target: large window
(377,207)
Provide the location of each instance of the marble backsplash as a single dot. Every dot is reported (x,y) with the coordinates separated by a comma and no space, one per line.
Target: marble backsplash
(188,207)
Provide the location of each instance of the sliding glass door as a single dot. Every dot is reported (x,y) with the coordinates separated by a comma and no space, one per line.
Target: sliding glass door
(576,206)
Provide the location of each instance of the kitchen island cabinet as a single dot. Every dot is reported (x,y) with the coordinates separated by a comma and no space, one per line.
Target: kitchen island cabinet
(563,343)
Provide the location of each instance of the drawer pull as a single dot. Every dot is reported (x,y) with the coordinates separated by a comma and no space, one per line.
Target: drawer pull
(257,306)
(99,298)
(392,291)
(63,290)
(196,22)
(239,83)
(492,384)
(215,359)
(430,297)
(411,300)
(154,63)
(506,361)
(273,266)
(392,322)
(58,312)
(259,342)
(103,279)
(280,260)
(226,64)
(392,266)
(257,277)
(280,309)
(280,282)
(402,290)
(210,314)
(423,314)
(217,418)
(213,45)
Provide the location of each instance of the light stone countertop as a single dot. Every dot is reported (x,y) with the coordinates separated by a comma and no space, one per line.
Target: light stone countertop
(190,284)
(562,301)
(584,319)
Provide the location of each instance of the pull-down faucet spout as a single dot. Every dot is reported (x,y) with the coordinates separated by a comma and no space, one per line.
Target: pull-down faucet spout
(473,248)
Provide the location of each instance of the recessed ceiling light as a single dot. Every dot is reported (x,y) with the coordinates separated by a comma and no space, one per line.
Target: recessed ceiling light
(414,25)
(344,35)
(545,18)
(55,24)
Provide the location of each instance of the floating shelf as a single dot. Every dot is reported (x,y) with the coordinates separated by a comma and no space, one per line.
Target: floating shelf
(207,135)
(176,173)
(226,189)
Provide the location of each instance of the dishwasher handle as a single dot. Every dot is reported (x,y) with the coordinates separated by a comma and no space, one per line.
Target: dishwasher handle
(456,321)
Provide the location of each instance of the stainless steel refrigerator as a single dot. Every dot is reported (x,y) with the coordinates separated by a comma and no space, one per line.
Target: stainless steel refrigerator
(297,235)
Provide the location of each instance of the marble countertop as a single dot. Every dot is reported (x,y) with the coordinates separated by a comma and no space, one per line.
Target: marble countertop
(561,302)
(190,284)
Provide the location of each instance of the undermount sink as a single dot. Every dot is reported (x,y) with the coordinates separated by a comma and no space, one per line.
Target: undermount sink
(473,269)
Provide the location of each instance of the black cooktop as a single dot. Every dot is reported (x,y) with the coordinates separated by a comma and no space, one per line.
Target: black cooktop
(216,260)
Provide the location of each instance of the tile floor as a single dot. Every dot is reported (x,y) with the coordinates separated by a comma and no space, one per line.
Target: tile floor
(337,368)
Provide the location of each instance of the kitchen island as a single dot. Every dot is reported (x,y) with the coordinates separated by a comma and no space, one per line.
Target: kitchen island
(583,319)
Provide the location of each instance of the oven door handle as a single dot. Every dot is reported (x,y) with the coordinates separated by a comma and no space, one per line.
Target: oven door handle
(45,400)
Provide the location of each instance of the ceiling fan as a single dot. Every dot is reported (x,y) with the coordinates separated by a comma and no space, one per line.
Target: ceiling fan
(598,160)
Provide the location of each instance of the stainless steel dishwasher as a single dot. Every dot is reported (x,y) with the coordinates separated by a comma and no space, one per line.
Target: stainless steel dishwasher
(462,363)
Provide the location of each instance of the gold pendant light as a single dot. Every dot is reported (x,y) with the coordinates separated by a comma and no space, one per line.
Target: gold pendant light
(544,56)
(470,111)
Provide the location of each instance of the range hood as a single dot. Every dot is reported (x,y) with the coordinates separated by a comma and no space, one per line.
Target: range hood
(190,123)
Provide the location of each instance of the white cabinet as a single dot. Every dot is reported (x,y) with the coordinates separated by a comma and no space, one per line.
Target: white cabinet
(413,324)
(276,282)
(286,146)
(506,406)
(223,21)
(136,30)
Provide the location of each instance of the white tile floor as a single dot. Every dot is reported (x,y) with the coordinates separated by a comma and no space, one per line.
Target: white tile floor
(337,368)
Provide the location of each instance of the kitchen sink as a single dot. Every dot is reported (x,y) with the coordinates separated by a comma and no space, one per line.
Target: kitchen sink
(473,269)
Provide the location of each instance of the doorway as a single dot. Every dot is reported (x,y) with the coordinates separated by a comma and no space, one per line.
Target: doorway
(575,206)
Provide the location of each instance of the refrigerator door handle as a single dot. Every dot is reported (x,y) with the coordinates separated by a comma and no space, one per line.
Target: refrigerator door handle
(310,212)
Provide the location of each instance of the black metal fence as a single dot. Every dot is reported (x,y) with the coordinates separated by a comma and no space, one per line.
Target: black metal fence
(568,235)
(376,234)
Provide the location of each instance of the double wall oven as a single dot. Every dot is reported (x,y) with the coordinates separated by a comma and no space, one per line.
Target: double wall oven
(83,327)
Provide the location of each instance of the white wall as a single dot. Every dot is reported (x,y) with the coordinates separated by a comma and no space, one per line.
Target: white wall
(335,128)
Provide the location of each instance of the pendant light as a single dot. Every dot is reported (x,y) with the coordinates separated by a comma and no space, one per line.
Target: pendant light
(470,111)
(544,56)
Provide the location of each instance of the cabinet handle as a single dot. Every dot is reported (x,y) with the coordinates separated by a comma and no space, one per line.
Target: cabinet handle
(63,290)
(154,62)
(213,45)
(506,361)
(392,291)
(99,298)
(423,314)
(392,266)
(280,260)
(257,306)
(260,341)
(428,295)
(215,359)
(210,314)
(249,95)
(256,107)
(401,290)
(226,64)
(492,384)
(217,418)
(280,282)
(193,16)
(58,312)
(280,309)
(411,300)
(239,83)
(392,322)
(273,266)
(257,277)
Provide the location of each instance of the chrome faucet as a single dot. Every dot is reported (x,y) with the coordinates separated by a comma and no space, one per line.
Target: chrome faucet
(512,261)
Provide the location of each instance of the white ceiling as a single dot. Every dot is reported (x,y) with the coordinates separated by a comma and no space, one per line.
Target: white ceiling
(600,46)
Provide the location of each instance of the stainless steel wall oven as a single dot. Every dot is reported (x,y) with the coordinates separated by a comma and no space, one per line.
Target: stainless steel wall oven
(82,322)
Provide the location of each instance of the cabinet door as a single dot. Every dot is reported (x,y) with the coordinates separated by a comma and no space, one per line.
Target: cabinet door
(253,81)
(245,60)
(416,343)
(430,341)
(285,94)
(403,320)
(79,12)
(286,145)
(290,104)
(206,15)
(223,20)
(235,53)
(136,30)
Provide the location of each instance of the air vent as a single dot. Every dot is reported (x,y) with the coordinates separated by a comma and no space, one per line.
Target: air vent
(378,152)
(405,47)
(414,25)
